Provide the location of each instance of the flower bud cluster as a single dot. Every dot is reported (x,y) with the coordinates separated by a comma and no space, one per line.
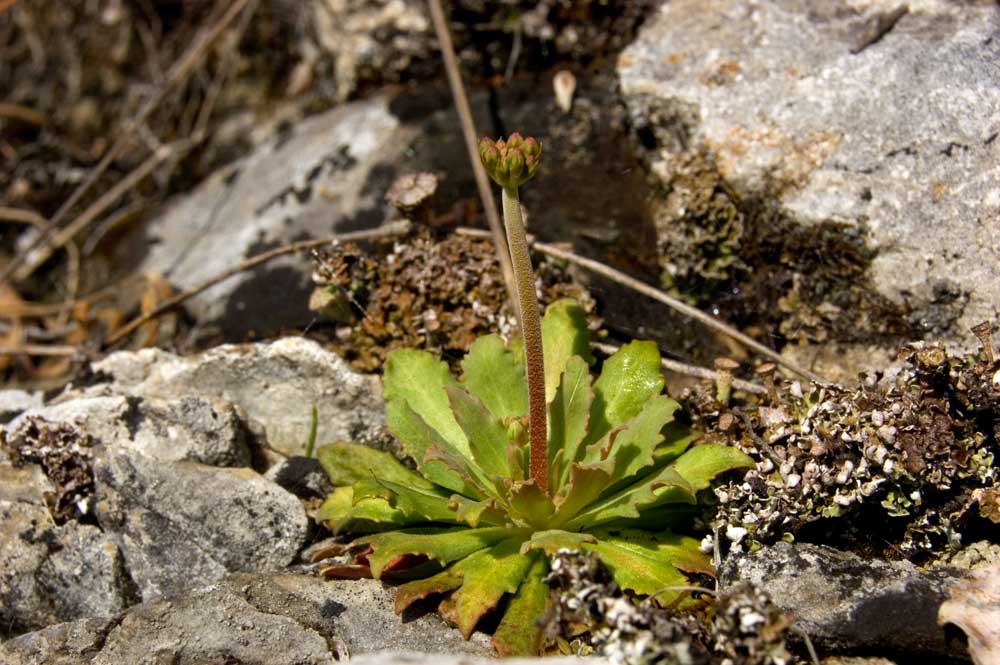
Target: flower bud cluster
(512,162)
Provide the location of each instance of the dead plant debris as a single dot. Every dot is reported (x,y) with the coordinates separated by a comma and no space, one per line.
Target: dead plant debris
(430,291)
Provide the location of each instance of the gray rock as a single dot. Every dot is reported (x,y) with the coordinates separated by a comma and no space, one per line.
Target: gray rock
(265,619)
(311,180)
(846,603)
(71,643)
(364,620)
(213,625)
(275,384)
(355,37)
(402,658)
(187,427)
(182,524)
(51,573)
(302,476)
(13,402)
(835,118)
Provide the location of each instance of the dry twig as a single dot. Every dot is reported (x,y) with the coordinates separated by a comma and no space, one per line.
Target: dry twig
(393,229)
(654,293)
(108,199)
(39,350)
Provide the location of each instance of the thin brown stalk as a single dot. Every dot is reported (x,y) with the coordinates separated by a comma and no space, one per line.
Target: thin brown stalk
(531,332)
(179,72)
(675,304)
(39,350)
(22,113)
(393,229)
(471,139)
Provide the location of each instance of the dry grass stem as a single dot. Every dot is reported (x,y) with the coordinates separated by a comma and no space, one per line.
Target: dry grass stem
(393,229)
(658,295)
(179,72)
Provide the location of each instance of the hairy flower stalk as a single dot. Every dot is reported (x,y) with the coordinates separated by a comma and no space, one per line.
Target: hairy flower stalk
(511,163)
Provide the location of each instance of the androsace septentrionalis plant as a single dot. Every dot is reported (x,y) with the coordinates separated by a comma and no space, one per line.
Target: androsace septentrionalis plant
(522,455)
(511,164)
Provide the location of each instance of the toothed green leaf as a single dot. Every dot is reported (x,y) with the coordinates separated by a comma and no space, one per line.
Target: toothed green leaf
(340,512)
(431,505)
(568,417)
(683,552)
(471,475)
(585,484)
(411,592)
(701,464)
(419,440)
(648,563)
(487,435)
(441,545)
(475,513)
(491,374)
(371,489)
(348,463)
(628,502)
(528,503)
(486,577)
(419,379)
(629,379)
(564,335)
(553,540)
(518,633)
(677,438)
(633,447)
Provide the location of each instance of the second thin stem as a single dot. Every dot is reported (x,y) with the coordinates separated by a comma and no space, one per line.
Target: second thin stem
(531,331)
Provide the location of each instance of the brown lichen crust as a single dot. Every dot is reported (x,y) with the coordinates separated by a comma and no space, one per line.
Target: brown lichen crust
(430,291)
(911,461)
(65,455)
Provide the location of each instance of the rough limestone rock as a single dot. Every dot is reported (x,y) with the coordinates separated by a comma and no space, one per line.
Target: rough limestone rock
(71,643)
(862,123)
(302,476)
(48,572)
(312,180)
(182,524)
(13,402)
(253,619)
(275,384)
(188,427)
(844,602)
(400,658)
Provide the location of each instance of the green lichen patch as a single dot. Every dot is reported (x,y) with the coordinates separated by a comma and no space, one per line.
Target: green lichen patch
(796,284)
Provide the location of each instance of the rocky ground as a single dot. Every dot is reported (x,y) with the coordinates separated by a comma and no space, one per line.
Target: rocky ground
(823,177)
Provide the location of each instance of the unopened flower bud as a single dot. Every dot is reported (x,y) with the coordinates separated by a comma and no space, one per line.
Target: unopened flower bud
(512,162)
(531,149)
(515,164)
(489,154)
